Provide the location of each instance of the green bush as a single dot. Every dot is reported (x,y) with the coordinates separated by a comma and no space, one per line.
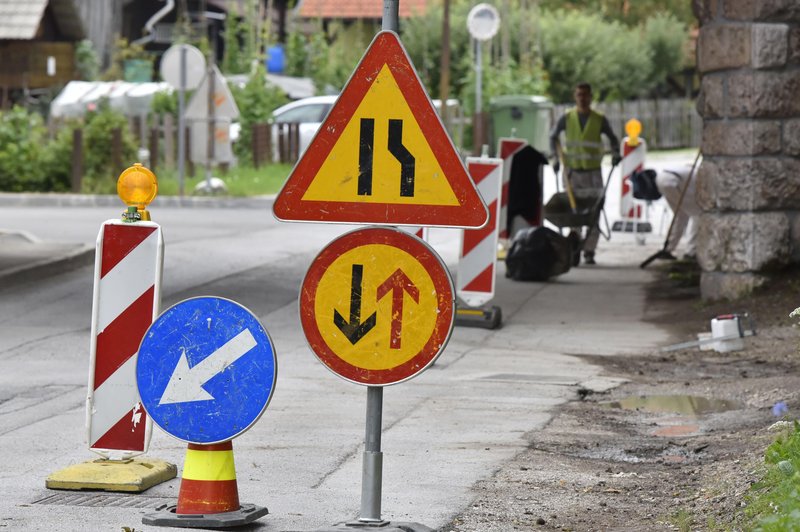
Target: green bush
(100,176)
(773,503)
(166,103)
(57,160)
(22,145)
(256,101)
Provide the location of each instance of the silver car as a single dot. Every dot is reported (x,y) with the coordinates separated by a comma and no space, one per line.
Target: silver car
(310,112)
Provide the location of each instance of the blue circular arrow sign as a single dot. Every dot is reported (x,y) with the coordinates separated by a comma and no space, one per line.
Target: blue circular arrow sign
(206,370)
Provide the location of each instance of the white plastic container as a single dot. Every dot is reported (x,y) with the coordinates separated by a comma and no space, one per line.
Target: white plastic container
(726,327)
(705,345)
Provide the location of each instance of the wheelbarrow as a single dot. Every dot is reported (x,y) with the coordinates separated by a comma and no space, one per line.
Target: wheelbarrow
(577,208)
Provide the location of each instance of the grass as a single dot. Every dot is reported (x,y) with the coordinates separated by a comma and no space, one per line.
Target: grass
(240,180)
(773,504)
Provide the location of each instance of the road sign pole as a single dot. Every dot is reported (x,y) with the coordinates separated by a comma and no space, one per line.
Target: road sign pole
(211,123)
(372,474)
(391,10)
(181,121)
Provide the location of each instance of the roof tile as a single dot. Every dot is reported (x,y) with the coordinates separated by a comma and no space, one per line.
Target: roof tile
(19,19)
(372,9)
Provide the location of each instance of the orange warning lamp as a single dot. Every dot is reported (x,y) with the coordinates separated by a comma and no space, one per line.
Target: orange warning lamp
(137,187)
(633,128)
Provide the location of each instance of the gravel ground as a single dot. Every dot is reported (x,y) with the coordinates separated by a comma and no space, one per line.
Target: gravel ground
(681,459)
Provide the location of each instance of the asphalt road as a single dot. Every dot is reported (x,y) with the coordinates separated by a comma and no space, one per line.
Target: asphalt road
(478,406)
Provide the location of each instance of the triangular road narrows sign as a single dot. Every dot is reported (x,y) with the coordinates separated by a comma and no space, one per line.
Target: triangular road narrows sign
(382,155)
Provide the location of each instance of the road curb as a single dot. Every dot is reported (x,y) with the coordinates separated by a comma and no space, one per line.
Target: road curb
(46,199)
(82,256)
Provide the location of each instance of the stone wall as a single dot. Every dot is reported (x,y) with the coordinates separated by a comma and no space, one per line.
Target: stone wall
(748,185)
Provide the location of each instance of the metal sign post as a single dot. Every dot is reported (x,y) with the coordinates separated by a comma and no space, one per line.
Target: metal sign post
(483,21)
(183,67)
(182,122)
(386,326)
(372,473)
(211,125)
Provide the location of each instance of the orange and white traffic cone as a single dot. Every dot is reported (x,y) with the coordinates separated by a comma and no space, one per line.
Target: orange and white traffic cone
(209,495)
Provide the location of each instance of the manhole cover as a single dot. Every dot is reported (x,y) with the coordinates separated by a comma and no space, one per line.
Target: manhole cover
(104,500)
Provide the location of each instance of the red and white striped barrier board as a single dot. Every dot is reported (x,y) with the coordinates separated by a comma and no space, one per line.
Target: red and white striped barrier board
(478,258)
(419,232)
(506,148)
(632,159)
(126,300)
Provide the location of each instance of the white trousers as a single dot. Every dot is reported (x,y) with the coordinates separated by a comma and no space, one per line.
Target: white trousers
(670,183)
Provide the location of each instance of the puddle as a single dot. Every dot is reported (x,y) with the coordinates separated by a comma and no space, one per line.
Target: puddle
(690,405)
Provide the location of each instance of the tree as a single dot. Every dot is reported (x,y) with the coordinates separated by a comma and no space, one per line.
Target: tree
(583,47)
(629,12)
(256,101)
(666,38)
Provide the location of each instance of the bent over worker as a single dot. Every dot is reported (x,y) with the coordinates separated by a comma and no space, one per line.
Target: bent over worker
(583,153)
(671,182)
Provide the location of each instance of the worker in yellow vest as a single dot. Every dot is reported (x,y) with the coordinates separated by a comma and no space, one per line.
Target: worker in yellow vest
(583,152)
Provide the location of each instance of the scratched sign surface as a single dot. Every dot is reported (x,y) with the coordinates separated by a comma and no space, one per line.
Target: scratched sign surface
(206,370)
(382,155)
(377,306)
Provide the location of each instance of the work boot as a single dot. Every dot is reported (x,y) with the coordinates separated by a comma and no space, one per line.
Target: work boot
(588,257)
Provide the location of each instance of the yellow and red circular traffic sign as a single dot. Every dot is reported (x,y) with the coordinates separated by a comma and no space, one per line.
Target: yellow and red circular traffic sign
(376,306)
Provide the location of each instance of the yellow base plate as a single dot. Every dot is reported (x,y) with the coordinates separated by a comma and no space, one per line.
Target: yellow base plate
(134,475)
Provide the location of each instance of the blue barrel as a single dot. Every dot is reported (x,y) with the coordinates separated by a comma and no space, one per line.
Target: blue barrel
(276,59)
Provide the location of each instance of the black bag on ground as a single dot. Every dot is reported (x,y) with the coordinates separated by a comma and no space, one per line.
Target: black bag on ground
(644,185)
(537,254)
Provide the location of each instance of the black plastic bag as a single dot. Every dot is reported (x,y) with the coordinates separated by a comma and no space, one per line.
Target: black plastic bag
(644,185)
(537,254)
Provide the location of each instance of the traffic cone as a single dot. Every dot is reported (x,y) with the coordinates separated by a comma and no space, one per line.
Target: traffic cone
(208,484)
(209,495)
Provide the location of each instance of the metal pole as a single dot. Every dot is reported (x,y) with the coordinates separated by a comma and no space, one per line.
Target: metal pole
(372,471)
(478,76)
(181,122)
(211,125)
(372,474)
(391,11)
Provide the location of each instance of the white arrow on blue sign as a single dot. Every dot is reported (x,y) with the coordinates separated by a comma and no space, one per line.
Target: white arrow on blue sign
(206,370)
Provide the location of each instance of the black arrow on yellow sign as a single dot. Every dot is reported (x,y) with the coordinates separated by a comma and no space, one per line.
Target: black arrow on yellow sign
(355,329)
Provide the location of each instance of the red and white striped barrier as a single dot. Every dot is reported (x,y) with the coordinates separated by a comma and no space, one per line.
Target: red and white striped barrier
(632,159)
(506,148)
(126,300)
(478,258)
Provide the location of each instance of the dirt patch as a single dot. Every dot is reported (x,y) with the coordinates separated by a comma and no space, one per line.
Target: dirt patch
(681,463)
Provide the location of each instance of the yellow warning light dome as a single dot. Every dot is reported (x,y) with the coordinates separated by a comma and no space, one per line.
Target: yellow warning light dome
(633,128)
(137,186)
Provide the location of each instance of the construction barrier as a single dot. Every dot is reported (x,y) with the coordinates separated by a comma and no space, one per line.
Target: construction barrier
(633,212)
(126,299)
(477,261)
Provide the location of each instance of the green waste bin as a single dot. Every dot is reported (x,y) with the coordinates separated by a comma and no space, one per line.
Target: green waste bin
(522,116)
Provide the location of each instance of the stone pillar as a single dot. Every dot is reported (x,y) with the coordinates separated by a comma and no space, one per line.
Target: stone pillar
(748,56)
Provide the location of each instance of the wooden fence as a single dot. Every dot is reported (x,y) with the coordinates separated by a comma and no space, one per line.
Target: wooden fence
(666,124)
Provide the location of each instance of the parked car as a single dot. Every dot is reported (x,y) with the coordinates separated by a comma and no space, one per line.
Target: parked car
(310,112)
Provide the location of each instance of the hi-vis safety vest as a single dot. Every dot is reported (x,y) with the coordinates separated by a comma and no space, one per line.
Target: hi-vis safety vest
(584,148)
